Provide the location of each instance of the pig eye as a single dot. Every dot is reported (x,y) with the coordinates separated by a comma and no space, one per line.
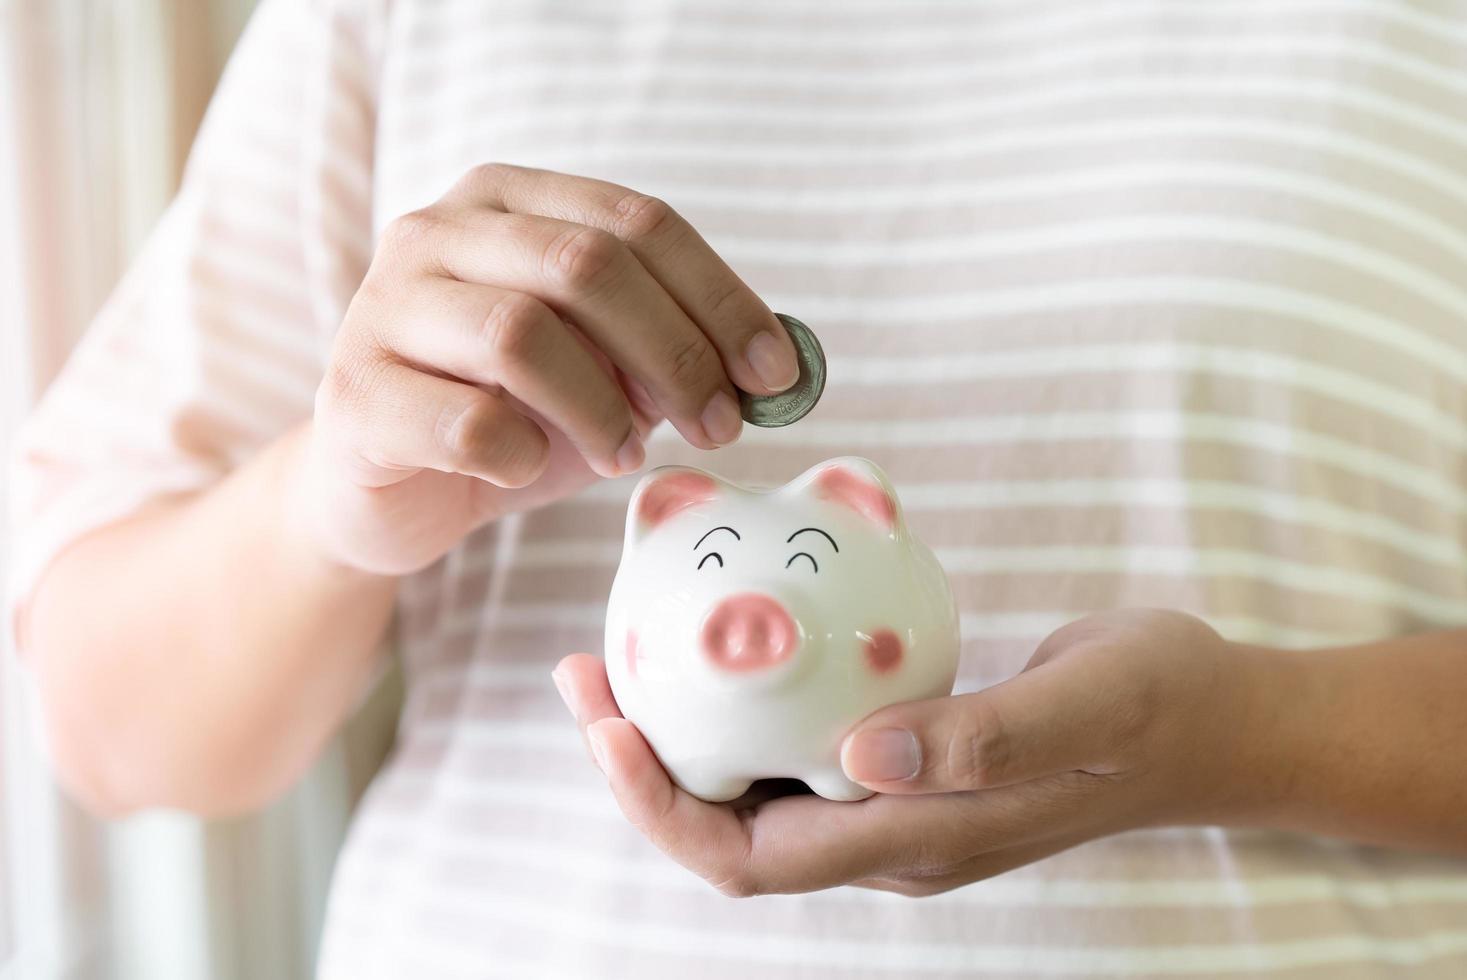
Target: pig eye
(721,527)
(802,554)
(713,554)
(813,530)
(805,554)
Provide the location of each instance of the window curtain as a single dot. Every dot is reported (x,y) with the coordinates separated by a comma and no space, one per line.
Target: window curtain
(98,103)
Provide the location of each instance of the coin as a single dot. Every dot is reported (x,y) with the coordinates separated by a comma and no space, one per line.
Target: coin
(795,402)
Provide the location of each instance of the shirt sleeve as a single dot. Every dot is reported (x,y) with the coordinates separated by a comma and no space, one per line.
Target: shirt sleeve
(213,343)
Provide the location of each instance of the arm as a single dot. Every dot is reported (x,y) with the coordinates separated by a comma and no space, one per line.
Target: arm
(1369,742)
(198,654)
(217,652)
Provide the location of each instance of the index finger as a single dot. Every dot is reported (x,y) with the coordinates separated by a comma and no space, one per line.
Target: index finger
(754,347)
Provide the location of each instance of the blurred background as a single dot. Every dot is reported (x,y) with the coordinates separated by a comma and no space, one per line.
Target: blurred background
(99,101)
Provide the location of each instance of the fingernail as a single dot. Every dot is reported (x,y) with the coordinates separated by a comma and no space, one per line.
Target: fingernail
(881,755)
(631,455)
(564,691)
(774,365)
(598,749)
(721,419)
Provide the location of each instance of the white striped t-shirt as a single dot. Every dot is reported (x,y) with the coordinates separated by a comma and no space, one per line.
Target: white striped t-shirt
(1158,303)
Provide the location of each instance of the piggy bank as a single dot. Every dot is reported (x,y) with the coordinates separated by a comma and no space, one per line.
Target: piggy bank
(748,630)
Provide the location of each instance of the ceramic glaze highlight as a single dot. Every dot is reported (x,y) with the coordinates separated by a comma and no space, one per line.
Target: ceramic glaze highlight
(748,630)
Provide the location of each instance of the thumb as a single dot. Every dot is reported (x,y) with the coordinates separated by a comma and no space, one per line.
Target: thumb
(1045,720)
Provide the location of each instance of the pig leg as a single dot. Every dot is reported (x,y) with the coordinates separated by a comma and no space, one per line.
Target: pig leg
(833,785)
(714,787)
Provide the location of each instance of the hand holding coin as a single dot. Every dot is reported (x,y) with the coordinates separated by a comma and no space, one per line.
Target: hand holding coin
(512,341)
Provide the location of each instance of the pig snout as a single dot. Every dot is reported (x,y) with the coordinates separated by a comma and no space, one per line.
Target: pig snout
(748,632)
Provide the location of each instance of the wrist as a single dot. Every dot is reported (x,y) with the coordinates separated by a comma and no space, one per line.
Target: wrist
(1261,758)
(305,512)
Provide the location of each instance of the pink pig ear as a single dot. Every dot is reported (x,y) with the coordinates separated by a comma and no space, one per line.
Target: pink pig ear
(666,492)
(858,485)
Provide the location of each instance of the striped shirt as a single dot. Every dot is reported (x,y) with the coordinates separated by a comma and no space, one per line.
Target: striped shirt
(1137,302)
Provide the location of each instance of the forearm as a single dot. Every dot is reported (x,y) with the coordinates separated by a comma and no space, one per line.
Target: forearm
(1367,743)
(199,654)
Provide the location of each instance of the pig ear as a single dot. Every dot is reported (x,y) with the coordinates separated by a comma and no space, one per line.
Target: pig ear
(664,493)
(858,485)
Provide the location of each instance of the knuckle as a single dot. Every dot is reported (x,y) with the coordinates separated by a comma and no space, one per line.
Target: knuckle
(1085,630)
(491,173)
(482,179)
(978,752)
(346,409)
(690,362)
(511,328)
(347,384)
(638,217)
(724,299)
(581,258)
(411,232)
(373,305)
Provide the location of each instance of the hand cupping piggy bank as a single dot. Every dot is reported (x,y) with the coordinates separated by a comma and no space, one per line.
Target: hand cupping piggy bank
(748,630)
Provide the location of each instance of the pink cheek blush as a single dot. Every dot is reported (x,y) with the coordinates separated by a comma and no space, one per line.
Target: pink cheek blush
(883,651)
(632,655)
(679,491)
(841,486)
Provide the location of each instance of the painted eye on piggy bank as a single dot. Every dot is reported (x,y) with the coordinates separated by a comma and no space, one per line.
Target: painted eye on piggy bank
(749,629)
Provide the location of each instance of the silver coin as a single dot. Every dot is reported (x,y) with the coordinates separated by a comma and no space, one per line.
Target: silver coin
(795,402)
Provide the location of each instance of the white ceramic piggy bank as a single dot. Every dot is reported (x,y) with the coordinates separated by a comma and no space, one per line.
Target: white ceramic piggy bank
(748,630)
